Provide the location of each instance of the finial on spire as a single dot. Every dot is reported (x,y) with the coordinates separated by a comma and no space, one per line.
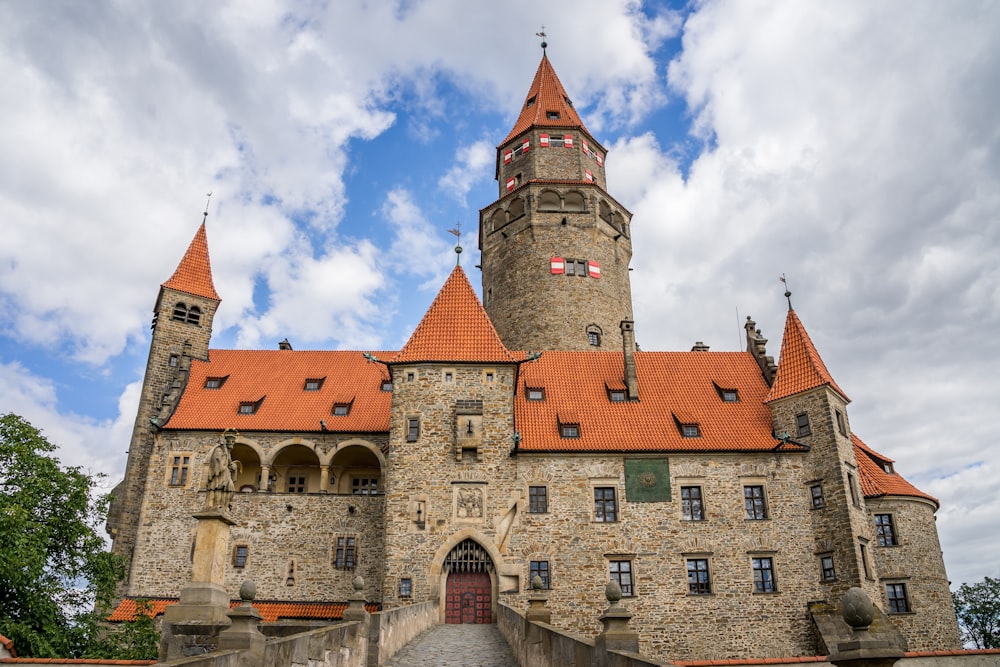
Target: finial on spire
(788,293)
(207,202)
(458,245)
(542,35)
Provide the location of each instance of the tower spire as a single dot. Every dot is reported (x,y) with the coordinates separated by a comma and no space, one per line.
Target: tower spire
(194,273)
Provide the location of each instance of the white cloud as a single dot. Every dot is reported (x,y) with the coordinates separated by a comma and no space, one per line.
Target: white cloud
(472,164)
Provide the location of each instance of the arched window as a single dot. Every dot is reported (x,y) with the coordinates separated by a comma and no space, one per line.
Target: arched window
(594,335)
(194,315)
(498,219)
(549,200)
(516,209)
(618,221)
(604,211)
(180,312)
(573,201)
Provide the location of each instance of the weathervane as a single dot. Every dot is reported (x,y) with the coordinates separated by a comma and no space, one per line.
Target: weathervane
(458,244)
(207,202)
(788,293)
(542,35)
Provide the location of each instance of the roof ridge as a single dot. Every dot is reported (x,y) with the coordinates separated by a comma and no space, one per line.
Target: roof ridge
(800,367)
(193,274)
(455,328)
(546,96)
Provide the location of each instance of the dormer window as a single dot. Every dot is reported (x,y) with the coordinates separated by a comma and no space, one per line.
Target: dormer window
(535,394)
(730,396)
(552,115)
(569,430)
(530,102)
(616,395)
(888,468)
(215,383)
(250,407)
(313,384)
(386,385)
(690,431)
(341,409)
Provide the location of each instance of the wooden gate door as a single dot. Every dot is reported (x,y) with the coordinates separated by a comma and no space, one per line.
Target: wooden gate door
(468,598)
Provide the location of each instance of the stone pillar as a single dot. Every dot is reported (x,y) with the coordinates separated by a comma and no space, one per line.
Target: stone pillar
(265,473)
(243,633)
(356,605)
(616,635)
(862,650)
(324,479)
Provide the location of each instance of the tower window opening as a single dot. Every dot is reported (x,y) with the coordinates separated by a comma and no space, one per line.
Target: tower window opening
(530,102)
(194,315)
(180,312)
(594,335)
(552,115)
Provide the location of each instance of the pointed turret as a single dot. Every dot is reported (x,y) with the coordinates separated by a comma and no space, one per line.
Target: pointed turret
(194,273)
(800,367)
(455,328)
(546,104)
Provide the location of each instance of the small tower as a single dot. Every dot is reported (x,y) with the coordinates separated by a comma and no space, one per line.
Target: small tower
(555,245)
(808,407)
(182,329)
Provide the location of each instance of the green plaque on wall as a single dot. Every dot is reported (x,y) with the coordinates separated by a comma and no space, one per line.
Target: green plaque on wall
(647,480)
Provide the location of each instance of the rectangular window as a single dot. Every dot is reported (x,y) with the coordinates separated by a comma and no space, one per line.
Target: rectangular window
(386,385)
(344,559)
(621,571)
(699,581)
(405,588)
(816,492)
(296,484)
(886,531)
(763,575)
(691,507)
(341,409)
(179,470)
(615,395)
(898,602)
(240,553)
(313,384)
(364,486)
(248,408)
(605,509)
(569,430)
(540,568)
(730,396)
(538,499)
(690,431)
(536,394)
(173,361)
(827,571)
(841,422)
(864,560)
(853,489)
(214,383)
(753,500)
(449,377)
(412,429)
(409,377)
(802,424)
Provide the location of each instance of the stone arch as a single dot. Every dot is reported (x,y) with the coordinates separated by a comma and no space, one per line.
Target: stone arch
(549,200)
(604,211)
(355,467)
(295,468)
(498,219)
(438,578)
(618,222)
(515,209)
(249,455)
(574,201)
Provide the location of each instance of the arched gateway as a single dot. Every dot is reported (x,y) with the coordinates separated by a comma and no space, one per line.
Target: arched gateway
(469,586)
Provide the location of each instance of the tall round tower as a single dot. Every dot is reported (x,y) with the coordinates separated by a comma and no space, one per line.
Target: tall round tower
(555,245)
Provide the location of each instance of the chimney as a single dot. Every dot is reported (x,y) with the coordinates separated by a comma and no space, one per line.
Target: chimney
(284,345)
(628,348)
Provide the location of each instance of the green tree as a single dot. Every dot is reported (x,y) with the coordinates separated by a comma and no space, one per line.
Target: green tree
(56,575)
(978,609)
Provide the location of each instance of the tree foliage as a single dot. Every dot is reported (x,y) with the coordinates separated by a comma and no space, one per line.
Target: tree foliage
(56,573)
(978,609)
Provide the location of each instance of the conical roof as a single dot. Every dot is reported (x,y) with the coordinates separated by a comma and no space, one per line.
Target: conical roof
(455,328)
(800,367)
(547,104)
(194,274)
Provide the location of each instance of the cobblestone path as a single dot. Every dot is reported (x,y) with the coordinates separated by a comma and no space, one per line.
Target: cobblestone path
(459,645)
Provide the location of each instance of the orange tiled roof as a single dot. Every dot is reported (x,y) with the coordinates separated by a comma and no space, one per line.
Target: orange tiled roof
(270,610)
(547,94)
(875,481)
(278,377)
(455,328)
(800,366)
(8,644)
(679,385)
(194,274)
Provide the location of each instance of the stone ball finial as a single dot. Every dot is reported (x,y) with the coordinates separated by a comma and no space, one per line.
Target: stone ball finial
(248,591)
(857,609)
(613,592)
(536,583)
(359,583)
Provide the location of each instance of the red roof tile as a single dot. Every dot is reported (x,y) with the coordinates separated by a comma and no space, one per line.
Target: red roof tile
(800,367)
(277,378)
(194,274)
(875,481)
(670,383)
(455,328)
(545,95)
(270,610)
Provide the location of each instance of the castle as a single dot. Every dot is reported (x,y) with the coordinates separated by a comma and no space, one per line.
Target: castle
(726,494)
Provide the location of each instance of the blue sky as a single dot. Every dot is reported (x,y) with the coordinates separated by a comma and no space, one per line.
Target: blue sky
(852,147)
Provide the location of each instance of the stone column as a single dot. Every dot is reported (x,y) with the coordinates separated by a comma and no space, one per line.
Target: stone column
(616,635)
(324,479)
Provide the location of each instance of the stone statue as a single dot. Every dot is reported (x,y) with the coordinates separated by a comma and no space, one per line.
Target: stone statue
(222,472)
